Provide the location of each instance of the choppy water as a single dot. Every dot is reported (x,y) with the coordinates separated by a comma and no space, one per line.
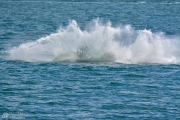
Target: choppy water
(89,60)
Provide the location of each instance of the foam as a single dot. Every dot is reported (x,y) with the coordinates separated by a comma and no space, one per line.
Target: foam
(100,43)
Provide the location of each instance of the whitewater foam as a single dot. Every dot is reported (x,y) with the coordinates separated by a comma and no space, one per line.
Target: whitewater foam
(100,43)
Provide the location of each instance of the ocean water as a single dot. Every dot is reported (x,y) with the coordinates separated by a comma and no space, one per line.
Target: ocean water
(89,59)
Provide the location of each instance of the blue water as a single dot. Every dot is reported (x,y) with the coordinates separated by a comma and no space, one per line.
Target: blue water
(89,60)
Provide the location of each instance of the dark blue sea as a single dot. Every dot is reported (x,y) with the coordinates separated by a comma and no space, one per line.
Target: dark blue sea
(73,60)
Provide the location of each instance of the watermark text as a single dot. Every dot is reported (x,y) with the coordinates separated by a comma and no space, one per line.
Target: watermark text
(9,115)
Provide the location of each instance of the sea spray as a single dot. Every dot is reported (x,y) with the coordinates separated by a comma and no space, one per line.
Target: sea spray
(100,43)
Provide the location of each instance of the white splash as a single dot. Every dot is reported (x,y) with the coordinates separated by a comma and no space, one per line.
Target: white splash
(100,43)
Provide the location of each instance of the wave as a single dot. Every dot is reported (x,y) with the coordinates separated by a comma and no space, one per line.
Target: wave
(93,1)
(100,43)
